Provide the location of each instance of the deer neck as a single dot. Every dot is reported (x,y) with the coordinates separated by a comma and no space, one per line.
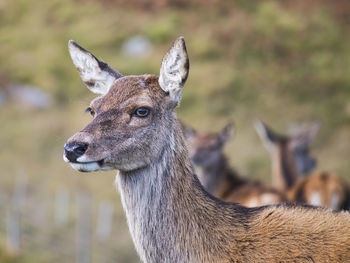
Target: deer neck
(283,168)
(220,178)
(168,212)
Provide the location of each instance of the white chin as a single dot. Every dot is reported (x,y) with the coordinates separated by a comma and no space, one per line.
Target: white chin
(89,167)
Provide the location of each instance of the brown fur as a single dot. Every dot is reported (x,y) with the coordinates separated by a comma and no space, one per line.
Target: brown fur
(171,218)
(215,174)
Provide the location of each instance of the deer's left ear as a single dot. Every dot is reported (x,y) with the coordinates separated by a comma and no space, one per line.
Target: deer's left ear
(174,70)
(96,74)
(268,137)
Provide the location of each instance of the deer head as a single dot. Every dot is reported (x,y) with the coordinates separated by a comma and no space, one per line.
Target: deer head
(206,149)
(130,112)
(297,145)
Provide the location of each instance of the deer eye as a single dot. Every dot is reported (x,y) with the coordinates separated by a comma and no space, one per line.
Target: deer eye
(142,112)
(91,111)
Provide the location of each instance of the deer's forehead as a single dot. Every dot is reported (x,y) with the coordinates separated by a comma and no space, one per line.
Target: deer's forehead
(143,90)
(204,140)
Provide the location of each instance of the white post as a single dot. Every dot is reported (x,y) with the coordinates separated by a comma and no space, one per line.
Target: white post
(84,231)
(61,207)
(14,217)
(104,221)
(13,231)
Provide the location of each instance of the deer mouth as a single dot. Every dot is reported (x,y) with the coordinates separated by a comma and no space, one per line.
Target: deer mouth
(87,166)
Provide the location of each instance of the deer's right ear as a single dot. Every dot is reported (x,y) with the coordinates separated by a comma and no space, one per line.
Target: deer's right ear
(174,70)
(267,135)
(306,136)
(226,133)
(96,74)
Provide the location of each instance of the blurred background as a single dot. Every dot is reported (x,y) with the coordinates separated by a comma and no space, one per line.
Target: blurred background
(285,62)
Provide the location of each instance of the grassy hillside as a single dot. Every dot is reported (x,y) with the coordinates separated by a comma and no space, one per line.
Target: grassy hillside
(283,63)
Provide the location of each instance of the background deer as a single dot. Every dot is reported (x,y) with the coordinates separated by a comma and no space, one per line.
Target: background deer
(218,178)
(170,216)
(290,158)
(292,163)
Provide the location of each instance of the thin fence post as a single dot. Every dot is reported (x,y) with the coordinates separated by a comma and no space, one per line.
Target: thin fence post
(104,221)
(84,228)
(13,231)
(61,207)
(14,216)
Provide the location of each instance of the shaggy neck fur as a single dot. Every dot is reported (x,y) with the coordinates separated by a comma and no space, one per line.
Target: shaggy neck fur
(164,209)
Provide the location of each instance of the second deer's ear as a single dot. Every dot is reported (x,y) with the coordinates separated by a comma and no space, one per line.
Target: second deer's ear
(226,133)
(174,70)
(96,74)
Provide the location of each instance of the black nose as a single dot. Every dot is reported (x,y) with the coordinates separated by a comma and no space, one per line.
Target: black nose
(73,150)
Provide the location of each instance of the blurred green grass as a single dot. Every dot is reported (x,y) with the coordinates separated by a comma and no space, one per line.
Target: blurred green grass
(248,59)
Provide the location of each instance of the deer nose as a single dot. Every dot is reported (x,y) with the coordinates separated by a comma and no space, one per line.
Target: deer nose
(73,150)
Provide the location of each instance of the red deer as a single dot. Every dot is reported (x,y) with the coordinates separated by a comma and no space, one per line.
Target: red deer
(292,164)
(218,178)
(171,217)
